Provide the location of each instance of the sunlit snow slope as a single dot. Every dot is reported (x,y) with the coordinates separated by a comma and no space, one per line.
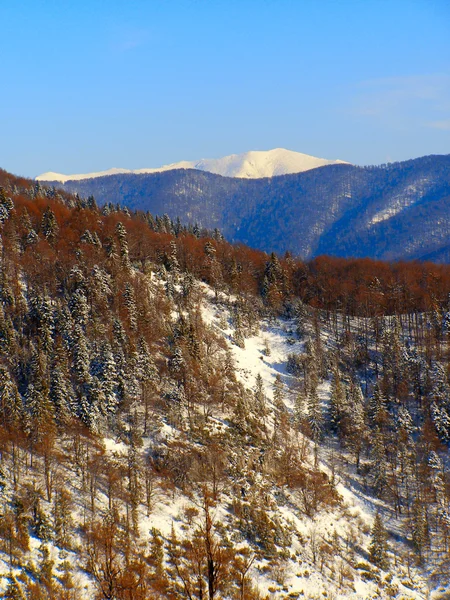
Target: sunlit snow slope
(249,165)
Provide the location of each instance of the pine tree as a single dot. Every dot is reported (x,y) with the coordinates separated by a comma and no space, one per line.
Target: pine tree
(131,307)
(121,233)
(379,466)
(337,406)
(81,362)
(62,518)
(11,410)
(61,393)
(378,412)
(378,549)
(146,365)
(79,308)
(356,424)
(49,225)
(6,206)
(7,332)
(441,421)
(278,396)
(315,417)
(104,368)
(420,534)
(260,398)
(176,365)
(300,409)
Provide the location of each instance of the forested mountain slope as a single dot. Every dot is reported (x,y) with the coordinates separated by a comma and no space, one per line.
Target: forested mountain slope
(396,211)
(184,418)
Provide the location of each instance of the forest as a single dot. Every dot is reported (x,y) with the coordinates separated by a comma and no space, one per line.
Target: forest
(395,211)
(182,417)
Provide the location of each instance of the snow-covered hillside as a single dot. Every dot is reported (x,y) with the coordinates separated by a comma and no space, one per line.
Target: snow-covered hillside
(266,354)
(325,557)
(250,165)
(176,422)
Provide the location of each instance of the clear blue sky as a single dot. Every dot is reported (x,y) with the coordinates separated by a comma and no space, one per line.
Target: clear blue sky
(87,85)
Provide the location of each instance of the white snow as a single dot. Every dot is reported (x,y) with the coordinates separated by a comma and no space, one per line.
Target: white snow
(303,578)
(248,165)
(411,195)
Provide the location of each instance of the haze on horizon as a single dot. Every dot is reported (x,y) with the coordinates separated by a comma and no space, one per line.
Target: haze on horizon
(92,85)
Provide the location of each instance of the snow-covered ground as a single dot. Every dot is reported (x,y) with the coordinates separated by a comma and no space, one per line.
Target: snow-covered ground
(300,574)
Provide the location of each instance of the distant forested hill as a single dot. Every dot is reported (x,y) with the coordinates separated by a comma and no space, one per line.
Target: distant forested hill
(395,211)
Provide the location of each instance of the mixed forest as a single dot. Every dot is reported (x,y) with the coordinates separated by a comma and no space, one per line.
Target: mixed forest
(395,211)
(185,418)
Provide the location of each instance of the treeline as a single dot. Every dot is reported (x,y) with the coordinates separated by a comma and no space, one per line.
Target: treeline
(352,286)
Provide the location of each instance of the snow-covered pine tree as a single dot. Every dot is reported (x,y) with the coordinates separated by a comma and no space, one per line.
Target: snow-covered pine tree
(49,226)
(337,406)
(378,549)
(122,236)
(379,466)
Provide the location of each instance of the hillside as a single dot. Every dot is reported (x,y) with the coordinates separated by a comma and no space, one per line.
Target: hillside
(392,212)
(248,165)
(182,418)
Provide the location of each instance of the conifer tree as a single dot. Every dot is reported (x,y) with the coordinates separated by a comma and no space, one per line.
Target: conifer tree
(419,527)
(378,549)
(49,225)
(6,206)
(379,467)
(260,398)
(356,424)
(315,417)
(337,405)
(131,307)
(11,410)
(121,233)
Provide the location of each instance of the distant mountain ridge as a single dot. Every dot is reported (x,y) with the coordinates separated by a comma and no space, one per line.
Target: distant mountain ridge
(249,165)
(392,212)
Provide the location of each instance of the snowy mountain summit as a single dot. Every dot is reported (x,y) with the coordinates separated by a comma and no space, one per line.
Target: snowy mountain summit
(256,164)
(249,165)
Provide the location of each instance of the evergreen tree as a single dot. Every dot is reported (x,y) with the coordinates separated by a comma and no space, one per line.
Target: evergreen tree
(378,409)
(79,308)
(419,527)
(61,393)
(356,424)
(337,407)
(379,467)
(11,410)
(131,307)
(49,225)
(7,333)
(260,397)
(378,549)
(315,417)
(121,233)
(81,360)
(6,206)
(300,409)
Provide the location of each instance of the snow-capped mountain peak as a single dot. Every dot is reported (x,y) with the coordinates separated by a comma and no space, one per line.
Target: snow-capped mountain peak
(250,165)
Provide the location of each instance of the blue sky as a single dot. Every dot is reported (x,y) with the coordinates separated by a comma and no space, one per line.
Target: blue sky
(90,85)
